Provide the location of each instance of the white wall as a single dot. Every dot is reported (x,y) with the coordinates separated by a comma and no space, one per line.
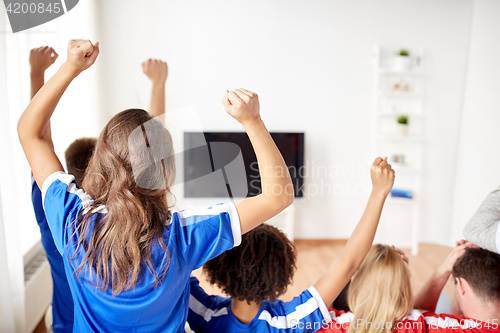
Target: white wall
(310,62)
(478,171)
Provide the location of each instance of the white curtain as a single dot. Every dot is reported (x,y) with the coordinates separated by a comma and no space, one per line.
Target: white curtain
(6,300)
(11,256)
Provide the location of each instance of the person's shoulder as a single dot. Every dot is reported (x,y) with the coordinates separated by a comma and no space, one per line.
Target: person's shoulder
(340,323)
(414,322)
(222,217)
(341,316)
(58,178)
(60,182)
(211,310)
(429,316)
(310,299)
(303,309)
(191,216)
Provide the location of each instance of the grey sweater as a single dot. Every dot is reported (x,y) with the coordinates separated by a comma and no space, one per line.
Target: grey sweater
(483,229)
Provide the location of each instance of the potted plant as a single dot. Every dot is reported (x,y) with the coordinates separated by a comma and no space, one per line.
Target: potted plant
(403,126)
(402,60)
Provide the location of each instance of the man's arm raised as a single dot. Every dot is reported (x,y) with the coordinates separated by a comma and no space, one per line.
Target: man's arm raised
(157,72)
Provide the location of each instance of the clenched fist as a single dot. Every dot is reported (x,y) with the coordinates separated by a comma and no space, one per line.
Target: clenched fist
(81,54)
(155,70)
(242,105)
(382,176)
(42,58)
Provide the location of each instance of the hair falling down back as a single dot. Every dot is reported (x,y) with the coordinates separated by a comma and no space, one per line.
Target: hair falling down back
(130,174)
(380,292)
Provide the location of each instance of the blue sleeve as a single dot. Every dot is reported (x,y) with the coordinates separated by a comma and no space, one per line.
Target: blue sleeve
(62,201)
(203,307)
(45,235)
(36,200)
(305,313)
(202,235)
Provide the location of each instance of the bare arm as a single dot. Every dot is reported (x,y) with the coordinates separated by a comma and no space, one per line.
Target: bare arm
(277,189)
(428,296)
(338,275)
(157,72)
(40,59)
(34,120)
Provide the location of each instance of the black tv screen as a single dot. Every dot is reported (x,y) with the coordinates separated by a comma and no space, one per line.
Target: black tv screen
(223,164)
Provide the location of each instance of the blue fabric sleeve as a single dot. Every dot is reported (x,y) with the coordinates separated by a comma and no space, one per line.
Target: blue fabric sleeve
(202,306)
(62,201)
(36,200)
(305,313)
(202,235)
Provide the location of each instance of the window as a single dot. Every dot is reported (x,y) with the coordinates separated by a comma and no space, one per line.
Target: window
(17,185)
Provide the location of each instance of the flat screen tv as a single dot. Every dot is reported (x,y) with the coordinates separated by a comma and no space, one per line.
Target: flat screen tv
(223,164)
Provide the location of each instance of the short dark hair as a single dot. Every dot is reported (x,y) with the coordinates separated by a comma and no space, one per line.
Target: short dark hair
(260,268)
(481,269)
(78,155)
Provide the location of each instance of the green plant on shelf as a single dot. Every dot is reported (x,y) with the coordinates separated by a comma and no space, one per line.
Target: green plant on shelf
(404,53)
(403,119)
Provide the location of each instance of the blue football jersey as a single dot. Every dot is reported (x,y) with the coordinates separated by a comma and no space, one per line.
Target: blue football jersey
(62,301)
(212,314)
(192,238)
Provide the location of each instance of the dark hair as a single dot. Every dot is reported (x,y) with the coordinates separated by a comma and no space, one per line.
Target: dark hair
(481,269)
(130,173)
(260,268)
(77,156)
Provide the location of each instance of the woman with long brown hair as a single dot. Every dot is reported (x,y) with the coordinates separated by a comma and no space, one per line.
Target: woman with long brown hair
(128,253)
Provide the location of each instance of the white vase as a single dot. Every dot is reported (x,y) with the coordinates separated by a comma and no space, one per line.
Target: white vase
(403,129)
(402,63)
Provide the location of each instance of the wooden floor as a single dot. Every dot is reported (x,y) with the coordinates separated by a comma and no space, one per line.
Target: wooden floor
(315,256)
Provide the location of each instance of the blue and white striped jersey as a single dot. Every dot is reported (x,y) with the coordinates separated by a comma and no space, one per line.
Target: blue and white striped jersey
(192,238)
(212,314)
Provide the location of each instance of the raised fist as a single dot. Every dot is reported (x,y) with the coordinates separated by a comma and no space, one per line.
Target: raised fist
(41,58)
(382,176)
(155,70)
(81,54)
(242,105)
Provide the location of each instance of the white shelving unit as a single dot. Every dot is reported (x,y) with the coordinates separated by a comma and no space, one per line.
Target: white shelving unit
(390,101)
